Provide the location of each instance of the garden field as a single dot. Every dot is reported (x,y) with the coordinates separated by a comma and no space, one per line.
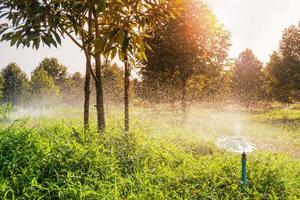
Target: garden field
(149,99)
(46,155)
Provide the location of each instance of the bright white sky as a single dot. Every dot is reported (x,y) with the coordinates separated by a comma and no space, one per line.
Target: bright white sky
(255,24)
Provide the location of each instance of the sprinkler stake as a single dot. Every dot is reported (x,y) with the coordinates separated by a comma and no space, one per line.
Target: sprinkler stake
(244,175)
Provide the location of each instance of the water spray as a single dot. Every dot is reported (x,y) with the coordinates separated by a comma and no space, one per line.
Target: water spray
(244,174)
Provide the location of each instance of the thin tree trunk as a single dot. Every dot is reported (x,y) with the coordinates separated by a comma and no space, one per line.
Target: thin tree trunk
(126,92)
(183,101)
(98,81)
(99,95)
(87,94)
(88,72)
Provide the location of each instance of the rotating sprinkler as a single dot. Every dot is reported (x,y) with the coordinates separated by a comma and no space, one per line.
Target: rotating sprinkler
(238,145)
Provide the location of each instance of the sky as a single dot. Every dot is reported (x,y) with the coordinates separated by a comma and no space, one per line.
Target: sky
(255,24)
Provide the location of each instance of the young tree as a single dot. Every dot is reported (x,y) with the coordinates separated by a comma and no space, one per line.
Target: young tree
(247,77)
(283,70)
(127,22)
(15,84)
(54,69)
(113,83)
(192,44)
(44,91)
(72,89)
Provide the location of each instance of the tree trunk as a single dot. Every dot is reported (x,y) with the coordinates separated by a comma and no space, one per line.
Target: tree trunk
(126,92)
(88,72)
(183,101)
(87,94)
(98,80)
(99,95)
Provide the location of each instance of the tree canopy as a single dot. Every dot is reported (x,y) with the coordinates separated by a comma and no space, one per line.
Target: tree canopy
(15,84)
(247,78)
(283,69)
(54,69)
(194,43)
(43,88)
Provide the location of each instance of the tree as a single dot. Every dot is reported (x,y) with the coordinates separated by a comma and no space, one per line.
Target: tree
(210,88)
(127,24)
(43,89)
(72,89)
(15,84)
(113,83)
(54,69)
(247,77)
(192,44)
(283,70)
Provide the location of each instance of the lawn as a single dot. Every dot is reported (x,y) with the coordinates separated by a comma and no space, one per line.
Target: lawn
(48,156)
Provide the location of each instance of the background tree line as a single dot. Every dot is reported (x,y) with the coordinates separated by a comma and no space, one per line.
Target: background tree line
(209,75)
(51,84)
(246,80)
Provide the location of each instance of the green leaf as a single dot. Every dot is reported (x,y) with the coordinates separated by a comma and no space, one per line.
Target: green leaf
(73,21)
(142,49)
(19,43)
(13,41)
(113,53)
(57,37)
(121,55)
(102,5)
(52,41)
(120,37)
(45,41)
(2,30)
(36,43)
(3,15)
(144,57)
(148,46)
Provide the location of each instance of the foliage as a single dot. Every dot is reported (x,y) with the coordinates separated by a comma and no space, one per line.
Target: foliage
(4,112)
(46,21)
(210,89)
(113,83)
(56,161)
(71,89)
(28,23)
(194,43)
(43,89)
(283,71)
(247,78)
(54,69)
(15,85)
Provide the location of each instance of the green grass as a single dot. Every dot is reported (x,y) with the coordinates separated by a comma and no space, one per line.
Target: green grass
(52,158)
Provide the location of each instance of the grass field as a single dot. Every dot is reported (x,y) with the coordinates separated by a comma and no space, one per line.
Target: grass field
(48,156)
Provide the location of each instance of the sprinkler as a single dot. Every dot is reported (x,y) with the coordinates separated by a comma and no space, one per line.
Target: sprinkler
(238,145)
(244,175)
